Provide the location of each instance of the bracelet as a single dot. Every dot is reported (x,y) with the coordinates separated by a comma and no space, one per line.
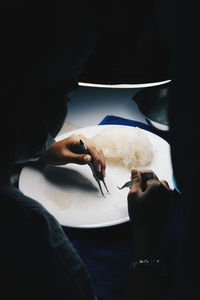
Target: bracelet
(156,264)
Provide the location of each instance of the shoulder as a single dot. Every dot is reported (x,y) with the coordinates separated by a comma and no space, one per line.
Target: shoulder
(15,205)
(25,212)
(28,220)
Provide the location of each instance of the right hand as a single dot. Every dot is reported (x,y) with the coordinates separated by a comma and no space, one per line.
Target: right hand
(68,151)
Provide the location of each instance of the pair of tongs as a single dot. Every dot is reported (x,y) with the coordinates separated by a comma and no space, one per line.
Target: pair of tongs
(97,175)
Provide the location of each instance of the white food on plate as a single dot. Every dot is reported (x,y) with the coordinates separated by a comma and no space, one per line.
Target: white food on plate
(128,147)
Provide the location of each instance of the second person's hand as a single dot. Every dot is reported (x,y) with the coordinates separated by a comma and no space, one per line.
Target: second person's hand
(149,209)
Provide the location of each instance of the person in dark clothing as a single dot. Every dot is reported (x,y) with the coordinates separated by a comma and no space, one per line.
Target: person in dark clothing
(37,260)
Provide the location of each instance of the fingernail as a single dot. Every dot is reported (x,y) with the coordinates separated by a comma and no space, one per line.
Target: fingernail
(87,158)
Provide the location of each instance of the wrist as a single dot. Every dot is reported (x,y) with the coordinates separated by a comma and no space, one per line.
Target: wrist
(146,244)
(154,264)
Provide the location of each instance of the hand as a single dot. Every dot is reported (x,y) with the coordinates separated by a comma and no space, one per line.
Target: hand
(149,202)
(68,151)
(148,205)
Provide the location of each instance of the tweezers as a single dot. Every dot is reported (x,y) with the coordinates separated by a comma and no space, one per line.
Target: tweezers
(97,175)
(145,177)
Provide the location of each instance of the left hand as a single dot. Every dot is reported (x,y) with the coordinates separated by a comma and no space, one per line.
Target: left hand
(68,151)
(148,208)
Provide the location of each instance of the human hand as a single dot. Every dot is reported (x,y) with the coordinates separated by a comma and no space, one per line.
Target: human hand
(68,151)
(148,205)
(149,202)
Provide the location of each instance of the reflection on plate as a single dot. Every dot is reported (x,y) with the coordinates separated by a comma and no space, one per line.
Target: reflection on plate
(71,194)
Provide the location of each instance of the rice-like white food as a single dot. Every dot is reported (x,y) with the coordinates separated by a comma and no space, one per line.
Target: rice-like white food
(125,146)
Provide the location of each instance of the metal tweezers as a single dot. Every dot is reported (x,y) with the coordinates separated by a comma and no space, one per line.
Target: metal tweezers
(145,177)
(97,175)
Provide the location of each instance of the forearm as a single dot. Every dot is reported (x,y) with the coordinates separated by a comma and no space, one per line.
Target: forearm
(149,209)
(146,244)
(147,282)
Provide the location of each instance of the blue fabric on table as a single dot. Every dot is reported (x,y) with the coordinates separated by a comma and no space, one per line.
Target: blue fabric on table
(116,120)
(111,119)
(108,252)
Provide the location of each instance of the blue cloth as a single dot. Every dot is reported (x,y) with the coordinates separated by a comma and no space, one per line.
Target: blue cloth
(107,254)
(111,119)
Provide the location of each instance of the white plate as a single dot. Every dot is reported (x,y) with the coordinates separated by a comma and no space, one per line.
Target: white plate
(70,192)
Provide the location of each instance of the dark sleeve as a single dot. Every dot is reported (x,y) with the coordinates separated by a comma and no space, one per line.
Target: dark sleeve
(44,265)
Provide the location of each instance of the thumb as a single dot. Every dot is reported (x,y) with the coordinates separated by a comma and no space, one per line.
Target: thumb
(136,180)
(80,159)
(87,158)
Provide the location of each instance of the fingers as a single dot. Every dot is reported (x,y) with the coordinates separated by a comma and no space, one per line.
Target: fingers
(145,179)
(97,158)
(146,173)
(95,153)
(154,184)
(136,181)
(165,183)
(80,159)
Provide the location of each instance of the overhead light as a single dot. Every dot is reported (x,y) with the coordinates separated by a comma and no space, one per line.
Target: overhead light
(123,86)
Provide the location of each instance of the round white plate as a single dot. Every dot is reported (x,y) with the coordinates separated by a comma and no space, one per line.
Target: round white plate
(71,195)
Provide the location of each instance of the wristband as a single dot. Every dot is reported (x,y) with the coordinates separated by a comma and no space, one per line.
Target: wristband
(156,264)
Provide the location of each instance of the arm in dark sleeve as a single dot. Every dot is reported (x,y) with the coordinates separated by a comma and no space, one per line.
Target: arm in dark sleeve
(41,263)
(55,262)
